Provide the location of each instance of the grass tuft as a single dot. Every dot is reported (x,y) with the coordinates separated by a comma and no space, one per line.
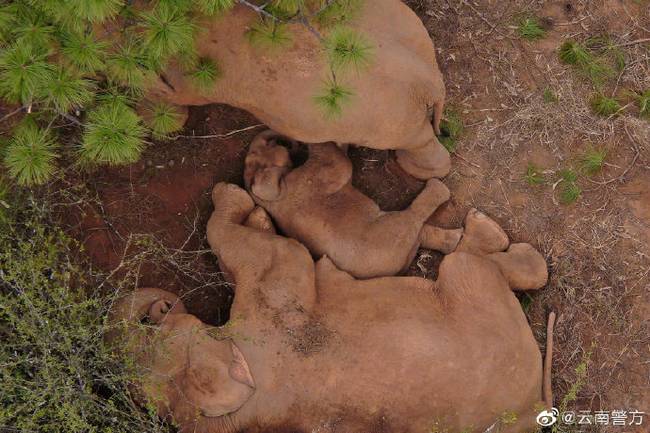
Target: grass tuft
(332,98)
(549,96)
(569,190)
(644,104)
(163,119)
(576,54)
(347,48)
(451,129)
(113,134)
(604,106)
(533,175)
(593,160)
(30,154)
(530,29)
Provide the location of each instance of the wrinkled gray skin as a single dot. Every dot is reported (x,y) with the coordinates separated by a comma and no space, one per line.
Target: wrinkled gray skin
(329,353)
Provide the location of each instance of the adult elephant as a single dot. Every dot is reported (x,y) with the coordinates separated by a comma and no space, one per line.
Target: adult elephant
(311,349)
(395,98)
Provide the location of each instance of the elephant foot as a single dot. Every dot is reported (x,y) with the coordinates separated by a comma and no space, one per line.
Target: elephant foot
(523,266)
(482,235)
(426,162)
(232,204)
(434,194)
(438,239)
(260,220)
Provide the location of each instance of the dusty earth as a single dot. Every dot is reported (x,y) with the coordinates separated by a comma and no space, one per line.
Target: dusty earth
(144,224)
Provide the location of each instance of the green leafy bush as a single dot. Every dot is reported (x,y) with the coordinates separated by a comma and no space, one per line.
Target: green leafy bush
(56,373)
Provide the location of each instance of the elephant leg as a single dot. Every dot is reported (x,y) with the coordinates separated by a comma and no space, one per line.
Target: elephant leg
(434,194)
(482,235)
(438,239)
(431,160)
(257,258)
(523,266)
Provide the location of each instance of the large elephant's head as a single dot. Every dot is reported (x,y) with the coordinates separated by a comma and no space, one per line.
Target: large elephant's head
(186,371)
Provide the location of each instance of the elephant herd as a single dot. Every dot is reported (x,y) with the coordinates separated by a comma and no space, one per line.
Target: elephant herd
(324,334)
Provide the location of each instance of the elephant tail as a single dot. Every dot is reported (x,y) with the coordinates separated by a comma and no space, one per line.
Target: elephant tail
(548,362)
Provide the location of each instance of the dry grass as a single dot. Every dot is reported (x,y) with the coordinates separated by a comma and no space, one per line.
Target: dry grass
(598,257)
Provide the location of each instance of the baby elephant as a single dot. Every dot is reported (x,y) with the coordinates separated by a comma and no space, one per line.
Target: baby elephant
(309,348)
(316,204)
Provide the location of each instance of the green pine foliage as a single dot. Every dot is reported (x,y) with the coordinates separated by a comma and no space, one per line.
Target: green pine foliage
(66,92)
(163,119)
(333,13)
(205,74)
(290,7)
(84,51)
(24,74)
(332,99)
(30,154)
(269,34)
(126,66)
(347,49)
(167,31)
(113,134)
(214,7)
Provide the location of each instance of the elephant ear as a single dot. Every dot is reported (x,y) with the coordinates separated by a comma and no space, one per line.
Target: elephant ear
(218,380)
(267,183)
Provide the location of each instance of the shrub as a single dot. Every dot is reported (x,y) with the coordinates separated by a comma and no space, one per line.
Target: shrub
(56,373)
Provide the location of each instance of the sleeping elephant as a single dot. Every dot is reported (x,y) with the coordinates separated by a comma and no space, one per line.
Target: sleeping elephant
(395,98)
(309,348)
(314,202)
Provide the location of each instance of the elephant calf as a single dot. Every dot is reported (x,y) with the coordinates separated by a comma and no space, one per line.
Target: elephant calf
(316,204)
(309,348)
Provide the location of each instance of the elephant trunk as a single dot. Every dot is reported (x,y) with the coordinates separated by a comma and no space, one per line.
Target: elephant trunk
(140,305)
